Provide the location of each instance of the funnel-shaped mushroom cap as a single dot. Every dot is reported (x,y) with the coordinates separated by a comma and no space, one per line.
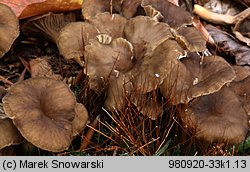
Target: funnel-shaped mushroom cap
(194,79)
(73,38)
(191,39)
(110,24)
(150,71)
(108,60)
(149,38)
(219,117)
(90,8)
(173,15)
(47,25)
(9,135)
(9,28)
(42,109)
(80,120)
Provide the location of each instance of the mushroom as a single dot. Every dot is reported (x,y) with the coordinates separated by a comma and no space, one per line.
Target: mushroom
(9,28)
(217,117)
(167,12)
(190,78)
(110,24)
(146,39)
(47,25)
(107,61)
(190,38)
(42,109)
(73,38)
(129,8)
(150,72)
(9,135)
(80,120)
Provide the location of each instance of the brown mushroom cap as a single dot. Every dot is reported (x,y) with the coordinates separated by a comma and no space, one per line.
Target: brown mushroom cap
(150,72)
(73,38)
(218,117)
(9,28)
(191,39)
(42,109)
(169,12)
(194,79)
(9,135)
(110,24)
(80,120)
(47,25)
(241,72)
(108,60)
(145,39)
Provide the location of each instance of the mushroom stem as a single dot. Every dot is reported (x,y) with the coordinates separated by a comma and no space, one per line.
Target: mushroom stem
(213,17)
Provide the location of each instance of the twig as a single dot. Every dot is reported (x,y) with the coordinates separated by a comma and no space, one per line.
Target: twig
(6,81)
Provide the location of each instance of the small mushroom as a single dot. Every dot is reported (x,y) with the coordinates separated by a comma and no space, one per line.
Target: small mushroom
(218,117)
(9,135)
(190,78)
(9,28)
(129,8)
(110,24)
(80,120)
(42,109)
(190,38)
(107,61)
(73,38)
(47,25)
(168,12)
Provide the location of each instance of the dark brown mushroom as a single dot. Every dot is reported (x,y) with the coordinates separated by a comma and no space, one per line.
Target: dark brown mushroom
(218,117)
(150,72)
(168,12)
(9,28)
(110,24)
(9,135)
(80,120)
(107,61)
(42,109)
(73,38)
(190,38)
(146,39)
(47,25)
(191,78)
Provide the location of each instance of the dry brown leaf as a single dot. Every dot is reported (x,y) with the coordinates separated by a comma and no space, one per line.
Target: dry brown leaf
(28,8)
(18,6)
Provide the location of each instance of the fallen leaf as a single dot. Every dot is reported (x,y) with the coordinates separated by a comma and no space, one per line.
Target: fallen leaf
(227,44)
(18,6)
(28,8)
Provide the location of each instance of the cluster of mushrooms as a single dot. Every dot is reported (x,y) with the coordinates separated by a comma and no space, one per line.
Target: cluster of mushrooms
(130,48)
